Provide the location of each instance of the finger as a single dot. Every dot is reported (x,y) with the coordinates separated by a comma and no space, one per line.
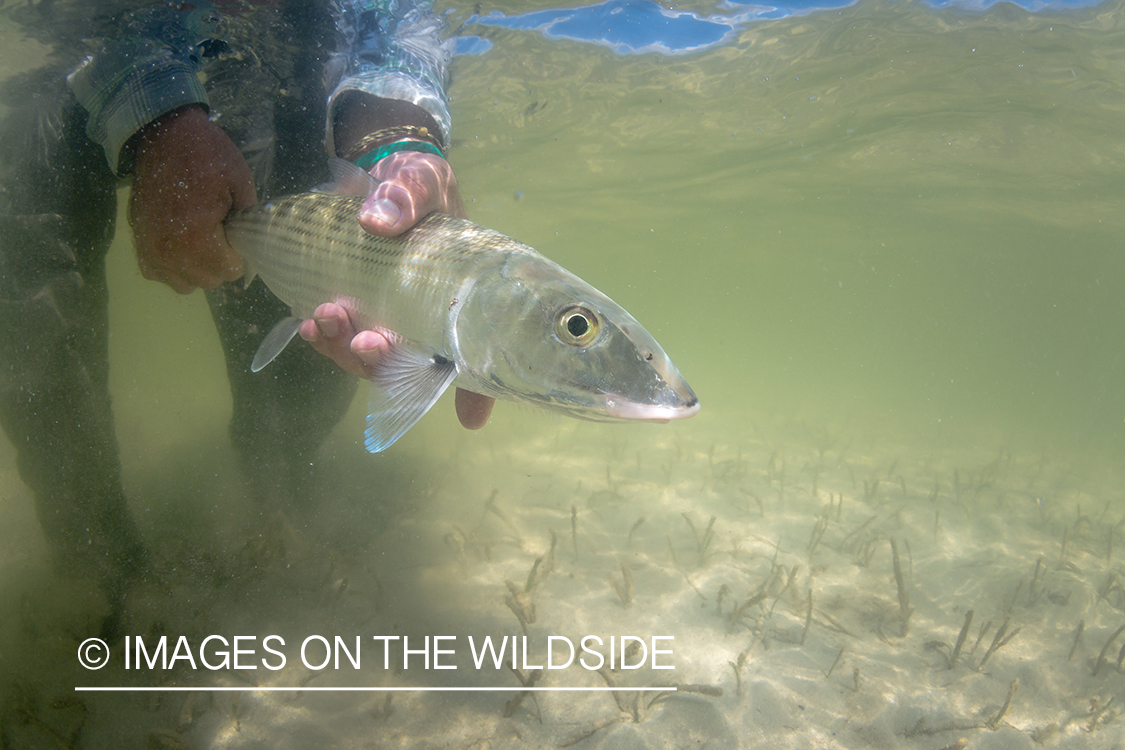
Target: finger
(177,282)
(243,192)
(392,209)
(369,346)
(309,331)
(382,215)
(412,185)
(229,263)
(212,265)
(332,320)
(473,409)
(152,272)
(330,332)
(232,269)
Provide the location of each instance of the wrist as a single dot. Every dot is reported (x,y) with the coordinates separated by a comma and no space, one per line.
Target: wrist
(359,116)
(382,143)
(189,116)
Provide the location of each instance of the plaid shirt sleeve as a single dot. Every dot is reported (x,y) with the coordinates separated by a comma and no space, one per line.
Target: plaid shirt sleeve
(391,49)
(122,100)
(151,69)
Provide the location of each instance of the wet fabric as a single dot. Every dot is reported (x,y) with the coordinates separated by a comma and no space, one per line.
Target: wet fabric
(155,59)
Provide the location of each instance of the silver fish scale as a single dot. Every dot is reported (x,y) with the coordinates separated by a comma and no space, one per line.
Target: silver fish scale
(310,248)
(473,307)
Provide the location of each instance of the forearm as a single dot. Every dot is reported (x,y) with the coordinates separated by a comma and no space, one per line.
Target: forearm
(392,71)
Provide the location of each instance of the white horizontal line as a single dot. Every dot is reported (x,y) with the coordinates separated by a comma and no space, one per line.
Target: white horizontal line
(287,689)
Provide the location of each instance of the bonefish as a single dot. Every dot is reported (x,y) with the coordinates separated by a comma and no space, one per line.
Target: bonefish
(462,305)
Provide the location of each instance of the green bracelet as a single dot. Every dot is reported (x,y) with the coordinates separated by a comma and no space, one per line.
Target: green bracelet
(368,160)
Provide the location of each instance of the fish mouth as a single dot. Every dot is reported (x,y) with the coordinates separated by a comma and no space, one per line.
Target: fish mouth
(660,413)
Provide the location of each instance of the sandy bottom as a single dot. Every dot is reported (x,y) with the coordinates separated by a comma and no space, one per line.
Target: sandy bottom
(771,563)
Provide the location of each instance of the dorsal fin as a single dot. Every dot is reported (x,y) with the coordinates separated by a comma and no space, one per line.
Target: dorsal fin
(347,179)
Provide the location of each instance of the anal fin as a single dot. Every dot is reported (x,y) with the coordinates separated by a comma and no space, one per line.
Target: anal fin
(347,179)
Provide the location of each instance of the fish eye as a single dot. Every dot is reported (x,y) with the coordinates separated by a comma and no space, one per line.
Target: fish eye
(577,325)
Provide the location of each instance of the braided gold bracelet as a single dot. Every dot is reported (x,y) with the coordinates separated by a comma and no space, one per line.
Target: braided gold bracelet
(379,138)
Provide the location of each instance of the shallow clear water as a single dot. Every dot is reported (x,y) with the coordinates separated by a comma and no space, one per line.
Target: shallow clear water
(880,215)
(882,243)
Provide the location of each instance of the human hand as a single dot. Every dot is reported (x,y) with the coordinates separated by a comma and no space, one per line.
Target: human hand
(188,176)
(412,186)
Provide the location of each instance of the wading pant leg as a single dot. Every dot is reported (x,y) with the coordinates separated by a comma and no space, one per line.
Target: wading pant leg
(57,210)
(283,413)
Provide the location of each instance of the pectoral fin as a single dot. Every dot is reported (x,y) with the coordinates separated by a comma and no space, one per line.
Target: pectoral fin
(276,340)
(408,380)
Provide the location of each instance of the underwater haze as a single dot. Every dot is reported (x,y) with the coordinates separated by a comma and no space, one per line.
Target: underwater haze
(881,215)
(881,241)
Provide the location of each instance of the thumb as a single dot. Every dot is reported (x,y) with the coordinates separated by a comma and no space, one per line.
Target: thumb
(382,215)
(243,192)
